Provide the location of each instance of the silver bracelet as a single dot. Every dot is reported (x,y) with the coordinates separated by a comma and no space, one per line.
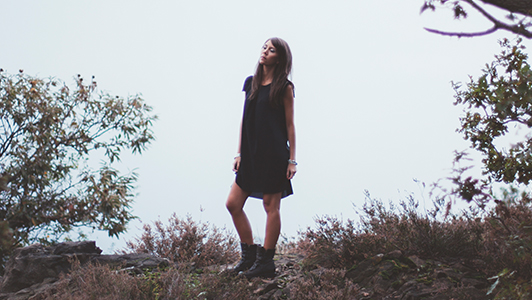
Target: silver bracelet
(293,162)
(237,155)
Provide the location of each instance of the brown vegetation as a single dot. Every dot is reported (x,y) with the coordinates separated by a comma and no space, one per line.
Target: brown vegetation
(393,253)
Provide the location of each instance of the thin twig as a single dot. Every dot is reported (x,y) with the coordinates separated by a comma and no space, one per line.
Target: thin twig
(517,29)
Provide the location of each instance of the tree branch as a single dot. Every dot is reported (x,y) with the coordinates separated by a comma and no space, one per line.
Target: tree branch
(523,7)
(517,29)
(463,34)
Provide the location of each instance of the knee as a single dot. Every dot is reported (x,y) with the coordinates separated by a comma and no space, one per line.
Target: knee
(272,211)
(232,206)
(271,208)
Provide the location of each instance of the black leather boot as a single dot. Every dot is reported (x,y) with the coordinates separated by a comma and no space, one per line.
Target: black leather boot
(264,266)
(249,253)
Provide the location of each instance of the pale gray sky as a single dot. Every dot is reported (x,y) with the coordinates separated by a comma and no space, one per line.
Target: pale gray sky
(373,94)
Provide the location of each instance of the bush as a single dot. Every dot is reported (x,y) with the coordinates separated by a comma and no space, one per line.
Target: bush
(337,244)
(428,235)
(508,245)
(184,240)
(495,240)
(101,282)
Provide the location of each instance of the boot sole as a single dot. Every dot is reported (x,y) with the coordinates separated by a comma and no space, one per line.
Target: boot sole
(263,275)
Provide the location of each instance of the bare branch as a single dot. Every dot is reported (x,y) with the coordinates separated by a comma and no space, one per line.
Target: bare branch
(517,29)
(483,12)
(463,34)
(523,7)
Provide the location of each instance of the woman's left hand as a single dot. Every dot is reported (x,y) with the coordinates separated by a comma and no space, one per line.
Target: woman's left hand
(291,171)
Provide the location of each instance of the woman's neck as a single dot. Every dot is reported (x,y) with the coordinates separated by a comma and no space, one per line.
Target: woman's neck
(267,74)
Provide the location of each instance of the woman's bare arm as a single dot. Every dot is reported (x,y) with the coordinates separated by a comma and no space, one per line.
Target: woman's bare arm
(236,163)
(291,129)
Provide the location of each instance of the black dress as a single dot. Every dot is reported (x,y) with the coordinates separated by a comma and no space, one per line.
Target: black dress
(264,146)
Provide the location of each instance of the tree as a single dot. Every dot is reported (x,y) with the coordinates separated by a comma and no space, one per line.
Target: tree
(519,15)
(47,133)
(495,103)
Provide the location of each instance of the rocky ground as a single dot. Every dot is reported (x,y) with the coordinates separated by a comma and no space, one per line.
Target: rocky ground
(33,270)
(390,276)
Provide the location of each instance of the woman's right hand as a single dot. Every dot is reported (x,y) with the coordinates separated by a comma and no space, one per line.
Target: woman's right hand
(236,164)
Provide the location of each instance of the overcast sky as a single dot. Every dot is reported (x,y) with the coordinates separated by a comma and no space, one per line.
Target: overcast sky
(373,94)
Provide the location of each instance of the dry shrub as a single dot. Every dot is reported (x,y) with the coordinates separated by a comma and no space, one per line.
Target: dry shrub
(509,238)
(508,246)
(427,235)
(496,240)
(287,245)
(99,282)
(184,240)
(181,284)
(338,244)
(335,244)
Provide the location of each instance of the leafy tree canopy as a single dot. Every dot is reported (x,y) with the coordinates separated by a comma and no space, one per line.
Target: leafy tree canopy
(518,19)
(495,104)
(48,130)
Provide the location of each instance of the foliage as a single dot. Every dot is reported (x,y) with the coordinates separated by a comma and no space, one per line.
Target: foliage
(519,15)
(192,246)
(491,241)
(497,120)
(184,240)
(508,245)
(47,132)
(497,103)
(434,234)
(340,244)
(102,282)
(99,282)
(497,238)
(337,244)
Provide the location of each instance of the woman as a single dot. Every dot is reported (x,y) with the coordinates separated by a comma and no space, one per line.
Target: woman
(265,163)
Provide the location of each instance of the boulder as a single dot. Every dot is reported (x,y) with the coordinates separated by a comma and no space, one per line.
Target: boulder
(35,267)
(35,263)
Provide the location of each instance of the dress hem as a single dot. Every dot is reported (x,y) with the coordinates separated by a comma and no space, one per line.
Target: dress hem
(260,195)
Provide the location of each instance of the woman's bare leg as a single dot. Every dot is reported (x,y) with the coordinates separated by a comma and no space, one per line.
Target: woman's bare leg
(272,205)
(235,204)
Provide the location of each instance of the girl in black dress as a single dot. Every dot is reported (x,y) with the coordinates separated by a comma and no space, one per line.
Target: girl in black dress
(265,160)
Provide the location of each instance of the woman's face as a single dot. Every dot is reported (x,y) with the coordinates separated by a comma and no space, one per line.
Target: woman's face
(268,55)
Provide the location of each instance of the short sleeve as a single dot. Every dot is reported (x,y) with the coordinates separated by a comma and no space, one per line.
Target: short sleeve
(247,84)
(288,82)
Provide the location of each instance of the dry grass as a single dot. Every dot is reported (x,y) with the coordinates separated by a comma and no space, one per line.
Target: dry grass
(501,238)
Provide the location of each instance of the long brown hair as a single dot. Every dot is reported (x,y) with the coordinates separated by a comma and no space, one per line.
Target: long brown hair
(280,74)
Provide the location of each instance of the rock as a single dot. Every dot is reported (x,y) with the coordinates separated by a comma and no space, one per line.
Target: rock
(394,254)
(477,283)
(35,268)
(75,247)
(137,262)
(417,261)
(33,264)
